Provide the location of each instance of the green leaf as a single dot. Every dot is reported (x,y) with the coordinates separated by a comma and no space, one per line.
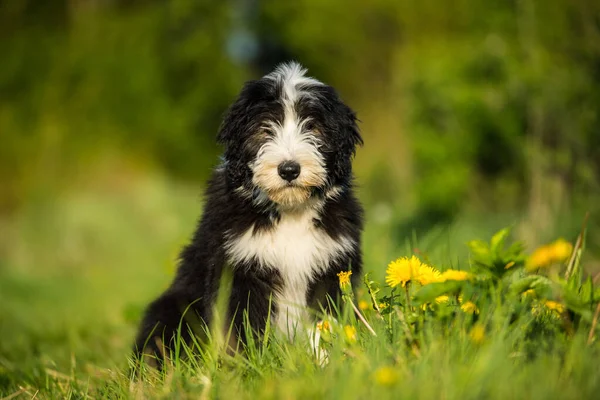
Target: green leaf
(516,252)
(576,276)
(587,291)
(577,306)
(497,242)
(494,258)
(521,285)
(428,293)
(480,249)
(541,284)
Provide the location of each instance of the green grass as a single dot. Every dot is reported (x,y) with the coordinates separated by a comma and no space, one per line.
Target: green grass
(76,272)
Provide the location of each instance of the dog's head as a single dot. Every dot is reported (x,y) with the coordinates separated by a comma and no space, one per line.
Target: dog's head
(288,138)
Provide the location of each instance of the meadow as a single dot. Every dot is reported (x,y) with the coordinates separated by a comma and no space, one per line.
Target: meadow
(82,267)
(482,156)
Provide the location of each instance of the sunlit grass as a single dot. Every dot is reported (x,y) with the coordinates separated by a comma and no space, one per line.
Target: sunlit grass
(76,272)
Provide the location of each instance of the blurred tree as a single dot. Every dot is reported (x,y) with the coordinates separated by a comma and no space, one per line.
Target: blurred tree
(490,104)
(149,79)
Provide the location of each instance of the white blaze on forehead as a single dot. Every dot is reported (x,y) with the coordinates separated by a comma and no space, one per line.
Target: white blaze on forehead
(294,85)
(293,79)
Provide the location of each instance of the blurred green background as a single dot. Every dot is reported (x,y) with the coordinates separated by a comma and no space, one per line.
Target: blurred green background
(467,105)
(475,114)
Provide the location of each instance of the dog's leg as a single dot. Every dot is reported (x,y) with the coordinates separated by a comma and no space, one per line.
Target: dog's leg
(251,303)
(325,294)
(168,319)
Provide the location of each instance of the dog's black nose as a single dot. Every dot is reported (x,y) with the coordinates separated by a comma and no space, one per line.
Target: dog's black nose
(289,170)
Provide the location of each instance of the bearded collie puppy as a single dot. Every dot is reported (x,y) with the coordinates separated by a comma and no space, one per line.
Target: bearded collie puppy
(280,216)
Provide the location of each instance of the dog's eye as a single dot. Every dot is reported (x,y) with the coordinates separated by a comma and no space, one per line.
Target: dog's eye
(310,126)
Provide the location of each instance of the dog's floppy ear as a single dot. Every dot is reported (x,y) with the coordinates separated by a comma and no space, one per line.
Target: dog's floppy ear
(235,117)
(242,118)
(342,124)
(349,139)
(352,135)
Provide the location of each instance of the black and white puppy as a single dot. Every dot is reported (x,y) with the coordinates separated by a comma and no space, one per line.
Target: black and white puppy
(280,214)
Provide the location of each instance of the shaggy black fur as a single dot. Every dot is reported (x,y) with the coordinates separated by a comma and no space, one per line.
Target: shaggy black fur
(228,209)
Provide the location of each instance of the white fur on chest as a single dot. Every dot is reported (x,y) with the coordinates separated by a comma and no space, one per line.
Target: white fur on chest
(297,250)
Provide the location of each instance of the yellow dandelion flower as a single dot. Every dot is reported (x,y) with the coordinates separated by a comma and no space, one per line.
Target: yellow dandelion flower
(469,307)
(553,253)
(477,334)
(344,278)
(404,270)
(386,376)
(541,257)
(324,326)
(363,305)
(350,332)
(455,275)
(561,250)
(383,306)
(442,299)
(401,271)
(426,274)
(528,293)
(536,309)
(554,306)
